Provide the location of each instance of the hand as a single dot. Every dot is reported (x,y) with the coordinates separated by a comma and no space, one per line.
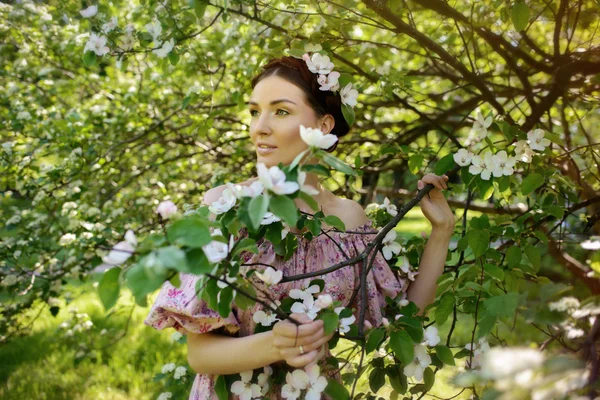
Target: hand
(435,207)
(310,335)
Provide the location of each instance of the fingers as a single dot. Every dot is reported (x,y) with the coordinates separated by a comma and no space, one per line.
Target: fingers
(291,342)
(302,360)
(439,182)
(290,330)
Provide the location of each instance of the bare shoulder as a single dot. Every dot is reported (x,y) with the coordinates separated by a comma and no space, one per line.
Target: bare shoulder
(352,214)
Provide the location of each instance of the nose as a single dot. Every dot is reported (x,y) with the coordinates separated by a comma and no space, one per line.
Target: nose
(261,125)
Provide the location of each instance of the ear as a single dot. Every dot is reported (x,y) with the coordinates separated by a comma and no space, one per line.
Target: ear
(327,123)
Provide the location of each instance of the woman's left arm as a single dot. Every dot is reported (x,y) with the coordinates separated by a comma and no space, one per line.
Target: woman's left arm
(438,212)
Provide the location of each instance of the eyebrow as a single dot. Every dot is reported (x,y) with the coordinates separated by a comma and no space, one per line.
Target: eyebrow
(274,102)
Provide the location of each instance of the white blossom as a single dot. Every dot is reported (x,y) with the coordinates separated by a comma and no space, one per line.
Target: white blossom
(170,367)
(67,239)
(481,125)
(318,64)
(179,372)
(154,29)
(274,179)
(176,336)
(122,250)
(224,203)
(240,191)
(431,337)
(110,25)
(565,304)
(270,276)
(479,349)
(329,82)
(164,396)
(166,48)
(503,164)
(502,362)
(483,165)
(264,318)
(324,301)
(97,44)
(307,306)
(591,244)
(23,115)
(216,251)
(89,12)
(349,95)
(421,361)
(263,379)
(407,269)
(463,157)
(316,383)
(523,152)
(269,218)
(390,246)
(537,141)
(316,138)
(244,389)
(389,207)
(166,209)
(344,324)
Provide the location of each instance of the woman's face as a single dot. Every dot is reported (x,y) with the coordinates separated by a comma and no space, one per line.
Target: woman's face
(277,109)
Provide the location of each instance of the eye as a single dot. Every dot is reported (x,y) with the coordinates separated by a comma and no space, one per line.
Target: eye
(281,109)
(286,113)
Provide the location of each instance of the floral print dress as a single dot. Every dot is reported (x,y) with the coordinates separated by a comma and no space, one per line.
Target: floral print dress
(180,308)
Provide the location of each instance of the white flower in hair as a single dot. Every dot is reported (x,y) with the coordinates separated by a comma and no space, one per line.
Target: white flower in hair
(329,82)
(349,95)
(318,64)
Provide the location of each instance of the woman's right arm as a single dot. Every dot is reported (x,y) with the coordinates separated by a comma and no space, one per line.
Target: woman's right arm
(210,353)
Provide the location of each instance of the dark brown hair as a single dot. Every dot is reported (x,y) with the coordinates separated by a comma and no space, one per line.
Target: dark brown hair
(295,71)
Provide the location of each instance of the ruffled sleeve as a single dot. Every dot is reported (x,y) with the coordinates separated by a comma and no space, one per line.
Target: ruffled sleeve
(381,281)
(181,309)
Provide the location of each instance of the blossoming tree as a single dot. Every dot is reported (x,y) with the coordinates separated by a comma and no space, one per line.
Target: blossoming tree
(119,116)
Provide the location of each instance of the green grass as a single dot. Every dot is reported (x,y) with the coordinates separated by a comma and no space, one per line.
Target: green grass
(42,365)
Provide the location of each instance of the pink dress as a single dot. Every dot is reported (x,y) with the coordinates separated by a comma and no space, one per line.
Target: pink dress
(169,309)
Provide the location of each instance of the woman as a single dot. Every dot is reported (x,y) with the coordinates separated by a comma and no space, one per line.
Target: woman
(287,94)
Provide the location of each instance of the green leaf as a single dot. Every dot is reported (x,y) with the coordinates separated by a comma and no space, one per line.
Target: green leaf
(374,337)
(241,300)
(403,346)
(173,257)
(335,390)
(284,208)
(556,211)
(246,244)
(308,199)
(520,15)
(221,386)
(445,164)
(257,208)
(531,182)
(503,183)
(397,378)
(503,305)
(513,256)
(533,254)
(317,169)
(225,299)
(428,378)
(348,113)
(415,162)
(478,241)
(173,58)
(376,379)
(337,164)
(494,271)
(486,188)
(108,288)
(298,158)
(89,58)
(191,232)
(197,262)
(334,221)
(331,321)
(485,325)
(444,354)
(444,309)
